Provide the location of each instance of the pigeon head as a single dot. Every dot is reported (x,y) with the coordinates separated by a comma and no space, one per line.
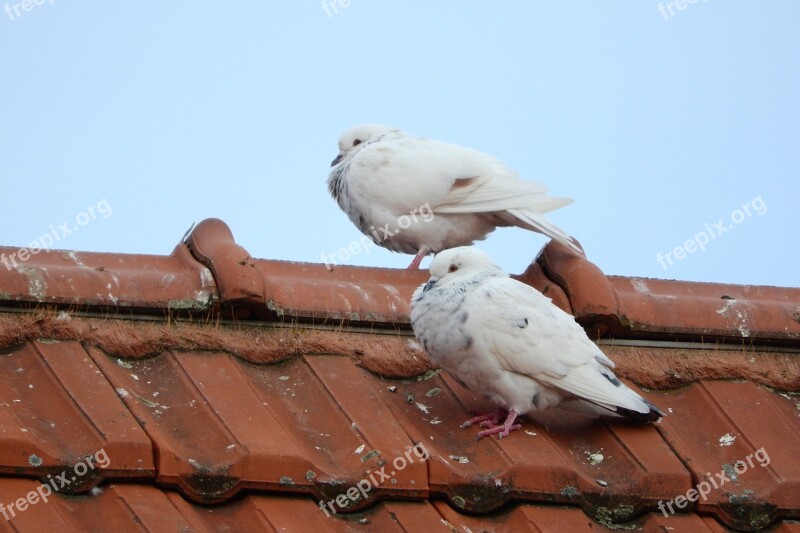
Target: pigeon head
(458,264)
(359,136)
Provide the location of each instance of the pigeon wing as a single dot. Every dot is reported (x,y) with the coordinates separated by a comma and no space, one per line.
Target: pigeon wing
(517,202)
(406,173)
(529,335)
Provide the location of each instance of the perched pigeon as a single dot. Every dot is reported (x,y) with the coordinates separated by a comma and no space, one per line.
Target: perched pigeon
(419,196)
(504,340)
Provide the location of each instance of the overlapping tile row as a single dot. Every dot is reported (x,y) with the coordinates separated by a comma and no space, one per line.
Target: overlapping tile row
(317,293)
(222,426)
(620,306)
(129,507)
(81,280)
(60,419)
(741,444)
(322,427)
(569,460)
(663,309)
(281,290)
(211,273)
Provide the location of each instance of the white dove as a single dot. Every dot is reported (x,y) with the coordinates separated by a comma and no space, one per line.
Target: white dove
(419,196)
(507,342)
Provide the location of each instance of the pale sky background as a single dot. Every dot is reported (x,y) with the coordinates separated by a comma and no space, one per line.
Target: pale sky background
(657,125)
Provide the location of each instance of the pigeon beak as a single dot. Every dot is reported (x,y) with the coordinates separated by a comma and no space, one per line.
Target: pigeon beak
(336,161)
(428,286)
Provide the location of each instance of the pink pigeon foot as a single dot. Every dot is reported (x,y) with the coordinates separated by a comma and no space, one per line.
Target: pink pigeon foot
(418,259)
(503,430)
(492,418)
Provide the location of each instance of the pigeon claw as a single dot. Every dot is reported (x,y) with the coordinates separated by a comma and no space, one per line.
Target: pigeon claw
(491,418)
(500,430)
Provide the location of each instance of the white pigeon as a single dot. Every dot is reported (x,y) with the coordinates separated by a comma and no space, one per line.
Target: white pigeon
(419,196)
(505,341)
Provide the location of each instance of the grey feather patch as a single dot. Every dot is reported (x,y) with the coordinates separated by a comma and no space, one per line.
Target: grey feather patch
(536,399)
(468,342)
(613,379)
(522,323)
(463,317)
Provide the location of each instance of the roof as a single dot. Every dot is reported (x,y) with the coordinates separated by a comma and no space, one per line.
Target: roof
(208,389)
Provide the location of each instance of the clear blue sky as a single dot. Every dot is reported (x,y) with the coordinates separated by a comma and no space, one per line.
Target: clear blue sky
(658,125)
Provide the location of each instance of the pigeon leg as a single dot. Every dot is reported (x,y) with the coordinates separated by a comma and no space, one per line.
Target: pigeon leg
(502,431)
(491,418)
(418,258)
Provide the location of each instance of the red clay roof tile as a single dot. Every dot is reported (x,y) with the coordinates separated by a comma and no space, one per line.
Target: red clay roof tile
(121,282)
(190,409)
(57,409)
(673,310)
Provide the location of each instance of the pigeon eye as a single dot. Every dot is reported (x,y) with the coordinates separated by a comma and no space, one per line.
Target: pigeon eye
(356,142)
(452,268)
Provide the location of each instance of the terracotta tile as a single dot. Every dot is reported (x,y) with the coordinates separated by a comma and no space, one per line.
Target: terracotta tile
(94,280)
(221,426)
(271,446)
(40,511)
(373,297)
(716,427)
(786,527)
(129,507)
(57,408)
(538,463)
(209,435)
(664,309)
(522,518)
(536,278)
(681,522)
(211,243)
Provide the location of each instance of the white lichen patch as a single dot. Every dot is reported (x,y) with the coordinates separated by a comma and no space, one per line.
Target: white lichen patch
(595,458)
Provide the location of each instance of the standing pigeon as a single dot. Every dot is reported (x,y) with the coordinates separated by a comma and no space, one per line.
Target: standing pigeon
(504,340)
(419,196)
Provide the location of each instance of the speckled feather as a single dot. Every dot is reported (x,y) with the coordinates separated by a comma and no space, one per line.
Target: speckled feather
(510,344)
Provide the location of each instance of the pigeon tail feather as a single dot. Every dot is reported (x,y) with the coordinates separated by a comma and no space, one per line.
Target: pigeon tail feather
(531,220)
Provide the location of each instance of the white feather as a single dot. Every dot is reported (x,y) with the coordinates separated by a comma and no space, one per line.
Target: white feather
(382,174)
(509,343)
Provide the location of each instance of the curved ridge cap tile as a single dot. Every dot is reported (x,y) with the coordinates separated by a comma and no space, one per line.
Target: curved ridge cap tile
(212,244)
(536,278)
(590,293)
(710,309)
(106,280)
(350,294)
